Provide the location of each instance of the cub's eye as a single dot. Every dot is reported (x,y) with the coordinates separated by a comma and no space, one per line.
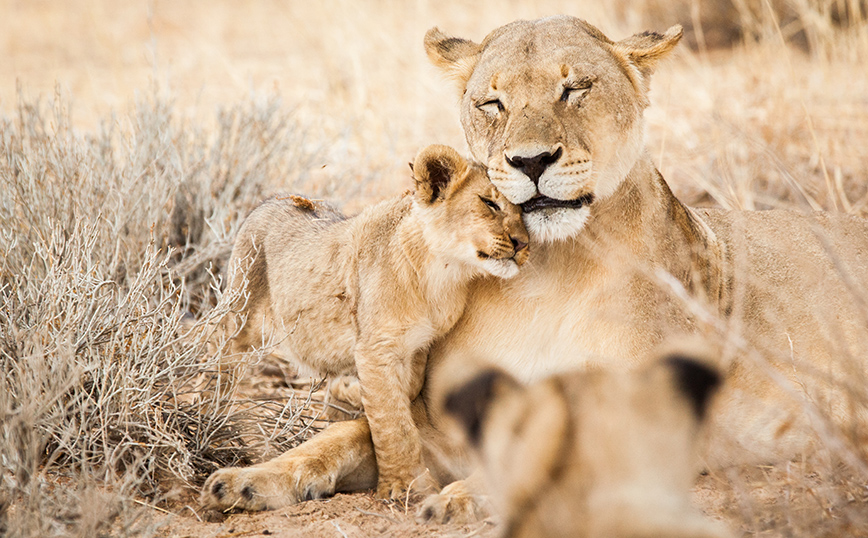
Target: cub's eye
(490,203)
(574,92)
(492,107)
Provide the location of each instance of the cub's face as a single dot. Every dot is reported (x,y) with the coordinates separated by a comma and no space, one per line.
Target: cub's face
(554,110)
(601,454)
(465,216)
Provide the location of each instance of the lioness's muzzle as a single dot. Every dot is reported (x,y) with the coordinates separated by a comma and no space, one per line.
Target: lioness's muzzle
(542,202)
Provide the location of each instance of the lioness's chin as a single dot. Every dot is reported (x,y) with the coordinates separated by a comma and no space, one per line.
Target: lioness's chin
(555,224)
(500,268)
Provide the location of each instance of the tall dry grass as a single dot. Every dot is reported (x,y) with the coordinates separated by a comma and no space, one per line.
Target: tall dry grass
(116,218)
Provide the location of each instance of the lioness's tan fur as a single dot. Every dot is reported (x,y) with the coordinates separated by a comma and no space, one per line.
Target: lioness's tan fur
(588,454)
(627,264)
(367,295)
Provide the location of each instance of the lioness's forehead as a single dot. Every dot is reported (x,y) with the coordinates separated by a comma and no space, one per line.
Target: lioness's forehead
(533,39)
(539,49)
(550,28)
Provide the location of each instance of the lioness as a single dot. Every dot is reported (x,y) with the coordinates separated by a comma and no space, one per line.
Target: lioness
(555,110)
(589,454)
(370,293)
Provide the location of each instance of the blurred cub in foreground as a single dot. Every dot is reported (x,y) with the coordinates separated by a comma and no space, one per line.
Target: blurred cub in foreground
(590,454)
(368,295)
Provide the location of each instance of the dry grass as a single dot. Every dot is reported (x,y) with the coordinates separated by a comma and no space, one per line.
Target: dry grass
(118,203)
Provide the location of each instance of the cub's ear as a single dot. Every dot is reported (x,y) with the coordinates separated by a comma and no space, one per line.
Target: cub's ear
(696,381)
(435,170)
(469,403)
(456,57)
(645,50)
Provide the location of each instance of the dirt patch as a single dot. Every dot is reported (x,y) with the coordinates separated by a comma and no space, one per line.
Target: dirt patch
(750,500)
(344,515)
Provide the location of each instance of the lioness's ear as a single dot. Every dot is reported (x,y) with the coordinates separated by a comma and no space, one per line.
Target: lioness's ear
(645,50)
(454,56)
(469,403)
(696,381)
(435,170)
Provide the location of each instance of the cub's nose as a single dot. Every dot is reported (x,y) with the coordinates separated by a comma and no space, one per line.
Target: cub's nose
(520,251)
(533,167)
(517,244)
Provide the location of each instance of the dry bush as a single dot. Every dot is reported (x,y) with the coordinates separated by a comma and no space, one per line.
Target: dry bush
(107,242)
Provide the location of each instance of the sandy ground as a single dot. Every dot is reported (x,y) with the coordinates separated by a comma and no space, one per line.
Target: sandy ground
(748,500)
(347,515)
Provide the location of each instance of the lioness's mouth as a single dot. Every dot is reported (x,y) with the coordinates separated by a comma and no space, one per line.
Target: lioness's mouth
(542,202)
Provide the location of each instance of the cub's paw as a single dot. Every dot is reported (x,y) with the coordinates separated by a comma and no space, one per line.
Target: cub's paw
(455,504)
(267,487)
(397,488)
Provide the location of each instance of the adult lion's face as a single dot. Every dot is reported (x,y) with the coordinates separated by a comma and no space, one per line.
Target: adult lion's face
(554,109)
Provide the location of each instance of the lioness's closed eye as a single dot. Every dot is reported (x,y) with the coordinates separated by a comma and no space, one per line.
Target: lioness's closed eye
(368,295)
(599,454)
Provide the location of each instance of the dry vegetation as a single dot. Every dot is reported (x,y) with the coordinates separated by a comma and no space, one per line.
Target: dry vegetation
(127,163)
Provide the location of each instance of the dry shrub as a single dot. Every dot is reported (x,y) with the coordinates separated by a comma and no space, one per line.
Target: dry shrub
(107,242)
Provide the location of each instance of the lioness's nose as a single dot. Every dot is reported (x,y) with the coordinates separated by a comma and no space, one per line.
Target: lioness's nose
(533,167)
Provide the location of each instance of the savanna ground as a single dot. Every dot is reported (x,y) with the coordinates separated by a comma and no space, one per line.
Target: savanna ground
(135,136)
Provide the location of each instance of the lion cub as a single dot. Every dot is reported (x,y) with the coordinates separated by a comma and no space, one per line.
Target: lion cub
(591,454)
(367,295)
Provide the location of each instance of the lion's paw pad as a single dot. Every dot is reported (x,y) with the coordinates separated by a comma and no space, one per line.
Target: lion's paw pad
(446,508)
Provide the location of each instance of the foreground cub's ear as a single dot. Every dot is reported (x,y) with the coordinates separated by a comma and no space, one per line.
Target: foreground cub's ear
(469,403)
(435,169)
(696,381)
(454,56)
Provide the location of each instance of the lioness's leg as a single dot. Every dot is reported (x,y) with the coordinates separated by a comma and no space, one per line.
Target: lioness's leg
(340,458)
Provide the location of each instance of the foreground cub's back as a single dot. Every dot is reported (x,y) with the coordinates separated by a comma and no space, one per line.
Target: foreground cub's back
(598,454)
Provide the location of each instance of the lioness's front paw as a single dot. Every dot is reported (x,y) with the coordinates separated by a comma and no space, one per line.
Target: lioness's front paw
(267,487)
(455,504)
(347,389)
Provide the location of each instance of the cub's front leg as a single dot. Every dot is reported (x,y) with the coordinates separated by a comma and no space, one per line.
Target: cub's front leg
(391,377)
